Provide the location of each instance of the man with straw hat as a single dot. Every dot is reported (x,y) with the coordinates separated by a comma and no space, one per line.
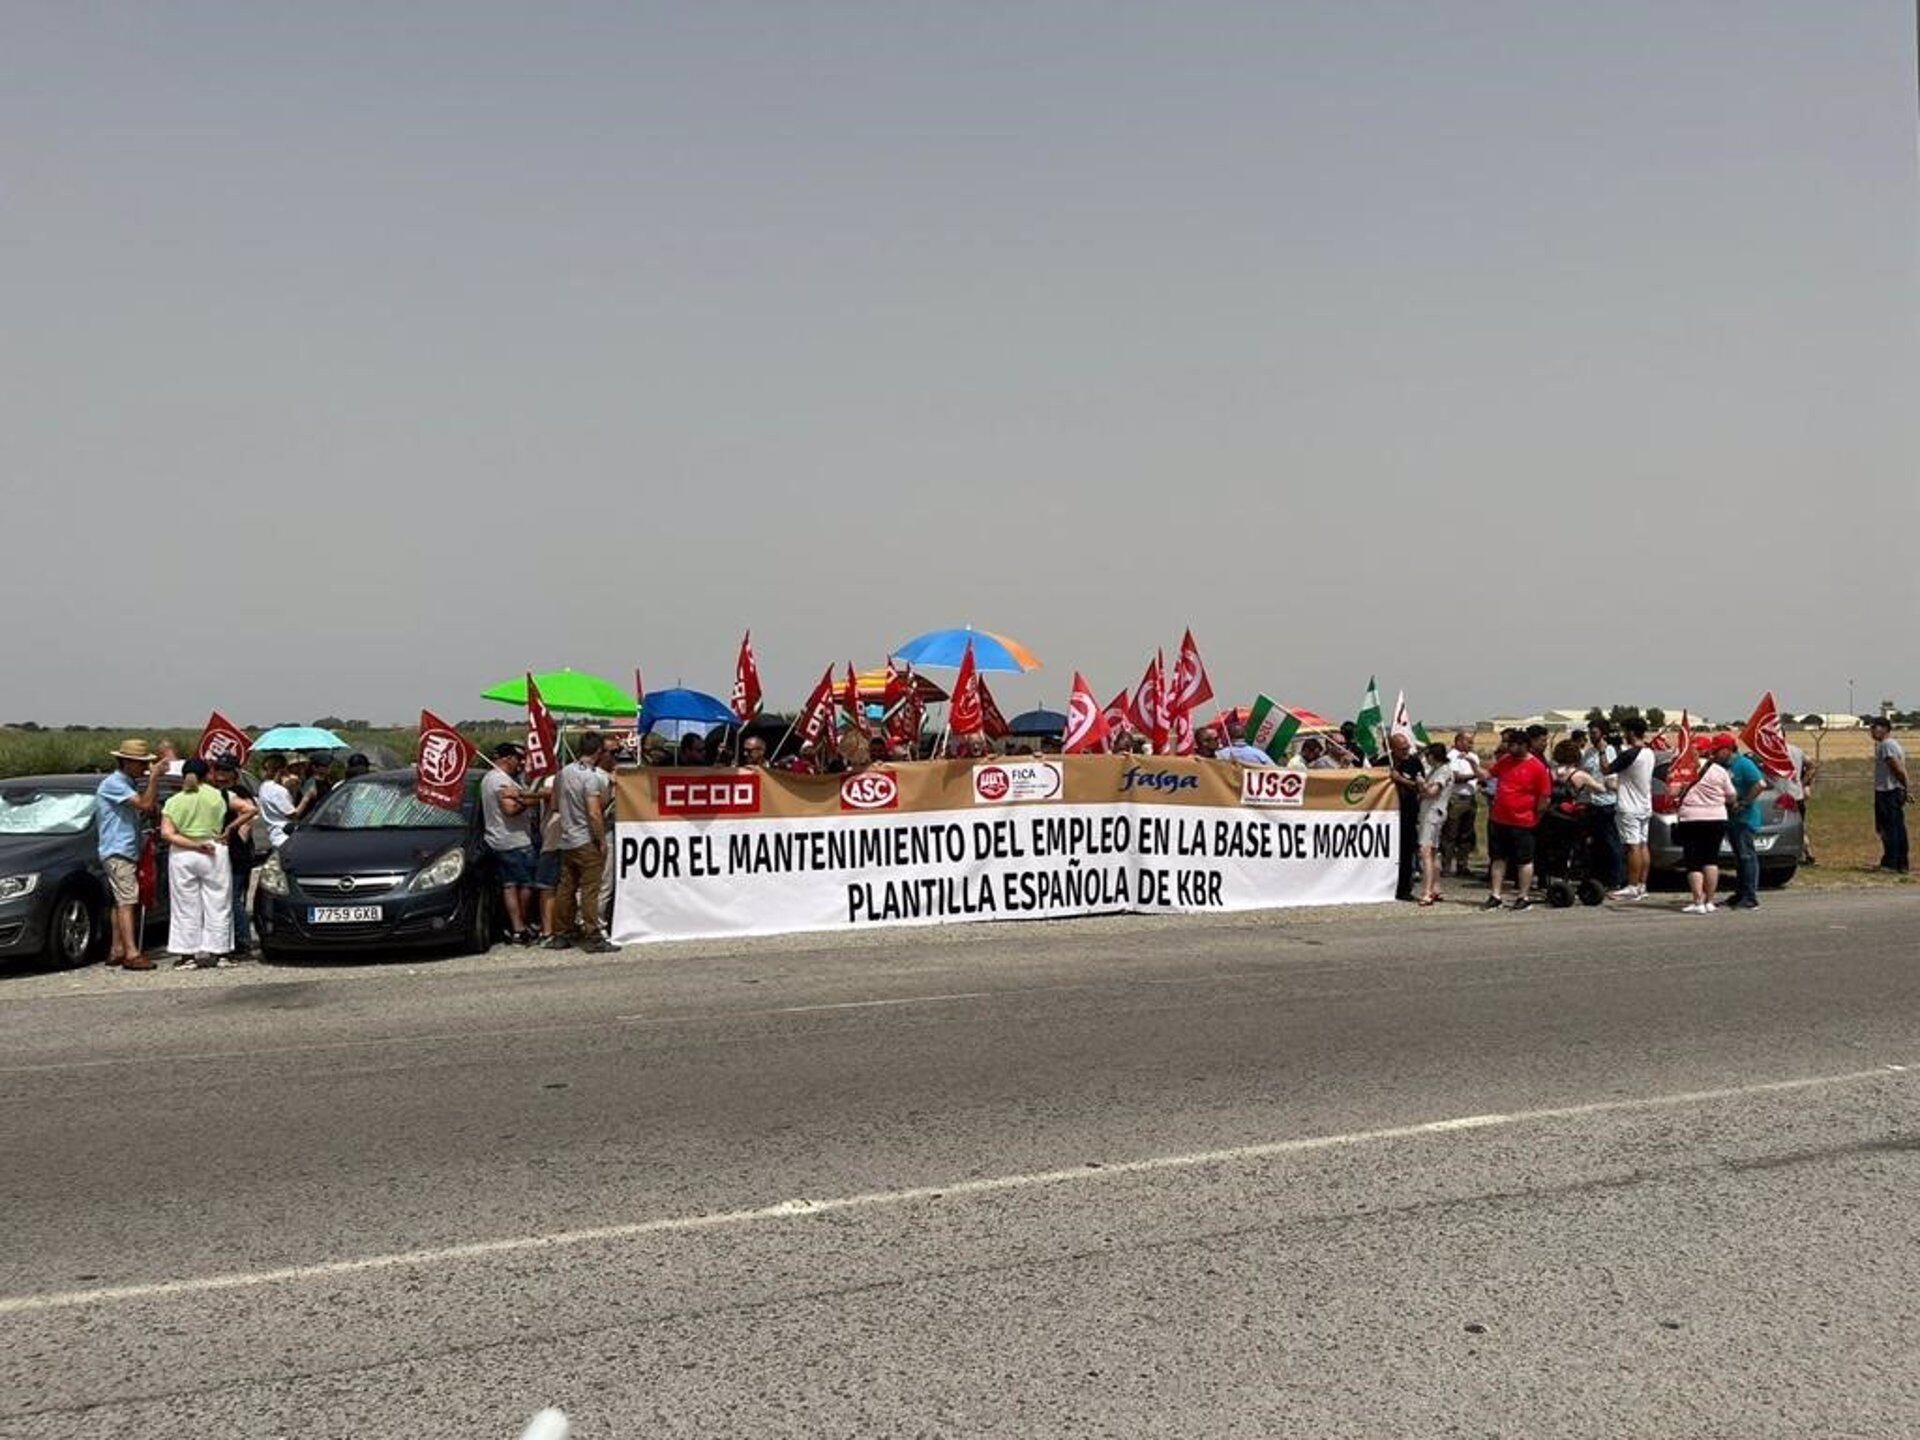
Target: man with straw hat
(131,790)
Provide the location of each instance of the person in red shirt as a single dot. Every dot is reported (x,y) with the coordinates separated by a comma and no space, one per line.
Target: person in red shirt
(1522,787)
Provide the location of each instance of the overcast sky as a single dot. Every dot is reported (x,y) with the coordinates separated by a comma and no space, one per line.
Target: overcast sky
(1533,354)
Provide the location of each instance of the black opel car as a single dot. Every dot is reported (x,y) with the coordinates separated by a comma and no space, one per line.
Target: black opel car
(374,868)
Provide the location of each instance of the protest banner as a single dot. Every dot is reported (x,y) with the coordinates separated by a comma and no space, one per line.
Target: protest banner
(721,852)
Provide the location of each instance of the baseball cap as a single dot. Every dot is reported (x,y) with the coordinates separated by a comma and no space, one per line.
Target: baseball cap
(506,748)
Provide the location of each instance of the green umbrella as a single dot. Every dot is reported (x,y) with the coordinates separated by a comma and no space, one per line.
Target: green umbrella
(567,692)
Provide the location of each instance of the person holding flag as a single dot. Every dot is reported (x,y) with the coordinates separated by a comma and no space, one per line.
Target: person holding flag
(1743,825)
(507,815)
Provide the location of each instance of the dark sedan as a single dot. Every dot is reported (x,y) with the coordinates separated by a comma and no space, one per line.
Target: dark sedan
(53,889)
(374,868)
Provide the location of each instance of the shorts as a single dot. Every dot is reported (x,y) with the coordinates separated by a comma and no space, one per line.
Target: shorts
(1432,822)
(1632,829)
(515,867)
(1700,841)
(546,870)
(1511,843)
(123,879)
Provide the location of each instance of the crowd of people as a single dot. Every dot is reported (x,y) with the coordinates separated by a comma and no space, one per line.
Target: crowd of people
(1587,797)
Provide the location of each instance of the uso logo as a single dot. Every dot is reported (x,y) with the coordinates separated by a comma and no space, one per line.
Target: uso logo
(1264,786)
(709,794)
(871,790)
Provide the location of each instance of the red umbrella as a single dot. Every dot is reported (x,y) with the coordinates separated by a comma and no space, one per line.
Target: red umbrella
(1309,720)
(873,687)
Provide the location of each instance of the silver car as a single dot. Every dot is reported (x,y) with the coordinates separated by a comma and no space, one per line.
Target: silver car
(1778,840)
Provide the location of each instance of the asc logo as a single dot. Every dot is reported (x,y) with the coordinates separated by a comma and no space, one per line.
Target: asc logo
(710,795)
(1262,786)
(871,790)
(1016,780)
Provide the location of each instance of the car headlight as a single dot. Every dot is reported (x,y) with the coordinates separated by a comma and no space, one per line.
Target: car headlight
(273,876)
(442,872)
(12,887)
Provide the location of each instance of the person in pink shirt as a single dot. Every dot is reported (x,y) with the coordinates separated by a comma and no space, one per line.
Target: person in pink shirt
(1701,823)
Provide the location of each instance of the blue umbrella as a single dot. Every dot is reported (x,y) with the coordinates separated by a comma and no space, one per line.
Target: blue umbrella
(299,737)
(1001,654)
(690,706)
(1039,722)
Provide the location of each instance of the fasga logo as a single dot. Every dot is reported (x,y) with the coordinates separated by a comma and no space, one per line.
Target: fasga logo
(1357,789)
(1164,780)
(874,790)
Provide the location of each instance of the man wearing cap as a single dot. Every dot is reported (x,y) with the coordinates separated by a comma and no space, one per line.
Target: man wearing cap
(1890,795)
(506,813)
(131,790)
(1743,820)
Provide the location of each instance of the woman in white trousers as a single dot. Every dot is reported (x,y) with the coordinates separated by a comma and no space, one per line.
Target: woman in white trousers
(199,876)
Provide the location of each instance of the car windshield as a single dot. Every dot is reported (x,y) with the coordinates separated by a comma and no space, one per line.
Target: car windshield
(44,812)
(382,805)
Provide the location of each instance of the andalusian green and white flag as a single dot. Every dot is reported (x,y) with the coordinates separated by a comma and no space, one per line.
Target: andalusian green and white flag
(1271,727)
(1366,725)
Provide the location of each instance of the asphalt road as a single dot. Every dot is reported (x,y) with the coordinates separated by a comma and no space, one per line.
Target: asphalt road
(1367,1173)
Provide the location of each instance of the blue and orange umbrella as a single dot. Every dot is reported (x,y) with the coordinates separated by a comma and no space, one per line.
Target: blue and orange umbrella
(999,654)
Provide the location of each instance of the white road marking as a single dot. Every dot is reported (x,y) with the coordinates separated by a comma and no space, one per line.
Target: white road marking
(836,1005)
(884,1199)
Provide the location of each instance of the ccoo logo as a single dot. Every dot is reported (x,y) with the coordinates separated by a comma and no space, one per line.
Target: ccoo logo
(871,790)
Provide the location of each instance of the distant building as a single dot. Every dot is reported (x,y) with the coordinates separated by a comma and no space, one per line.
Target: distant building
(1828,722)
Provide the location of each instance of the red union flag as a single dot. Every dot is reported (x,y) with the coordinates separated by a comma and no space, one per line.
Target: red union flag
(543,737)
(1119,713)
(1763,736)
(223,740)
(992,723)
(965,715)
(1086,721)
(1191,687)
(1147,711)
(746,682)
(850,702)
(816,716)
(1180,733)
(441,763)
(1685,768)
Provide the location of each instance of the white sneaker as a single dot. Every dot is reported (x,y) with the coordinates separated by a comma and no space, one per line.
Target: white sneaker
(1693,910)
(1711,908)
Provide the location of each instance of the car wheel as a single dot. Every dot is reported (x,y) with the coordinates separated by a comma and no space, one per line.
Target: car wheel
(77,929)
(480,927)
(1774,879)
